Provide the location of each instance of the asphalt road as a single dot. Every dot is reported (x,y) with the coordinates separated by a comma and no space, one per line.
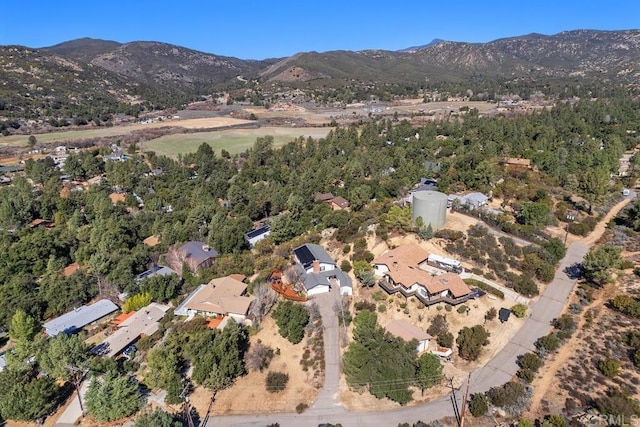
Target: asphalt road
(497,371)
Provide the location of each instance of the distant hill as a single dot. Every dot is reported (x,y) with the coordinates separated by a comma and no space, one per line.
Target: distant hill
(609,55)
(82,48)
(164,63)
(89,71)
(37,83)
(417,48)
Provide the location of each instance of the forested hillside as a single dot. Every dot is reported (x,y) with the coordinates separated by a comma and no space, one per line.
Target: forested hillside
(91,79)
(573,149)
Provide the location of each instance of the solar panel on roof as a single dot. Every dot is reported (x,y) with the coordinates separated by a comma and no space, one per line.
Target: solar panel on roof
(304,255)
(255,233)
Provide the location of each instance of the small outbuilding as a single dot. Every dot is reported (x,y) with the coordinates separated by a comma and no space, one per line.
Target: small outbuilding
(254,236)
(405,330)
(504,314)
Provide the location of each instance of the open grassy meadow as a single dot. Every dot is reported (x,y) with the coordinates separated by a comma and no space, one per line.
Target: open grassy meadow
(234,140)
(98,132)
(61,137)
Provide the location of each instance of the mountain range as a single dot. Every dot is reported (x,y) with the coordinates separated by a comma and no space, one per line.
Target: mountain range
(114,73)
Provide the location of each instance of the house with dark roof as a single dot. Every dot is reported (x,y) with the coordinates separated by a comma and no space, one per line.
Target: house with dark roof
(198,255)
(425,184)
(334,202)
(11,169)
(323,197)
(313,258)
(338,203)
(319,272)
(254,236)
(156,270)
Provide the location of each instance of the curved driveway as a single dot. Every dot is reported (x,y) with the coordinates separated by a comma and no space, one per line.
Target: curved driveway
(497,371)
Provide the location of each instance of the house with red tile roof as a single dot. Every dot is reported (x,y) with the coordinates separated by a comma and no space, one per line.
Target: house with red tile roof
(400,270)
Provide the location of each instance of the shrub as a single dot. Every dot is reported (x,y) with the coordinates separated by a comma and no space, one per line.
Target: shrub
(525,285)
(524,422)
(519,310)
(382,308)
(491,314)
(276,381)
(136,302)
(345,266)
(447,234)
(554,421)
(448,307)
(378,296)
(471,340)
(530,361)
(478,405)
(364,305)
(626,265)
(259,356)
(547,343)
(618,402)
(509,396)
(291,320)
(301,407)
(462,309)
(565,323)
(526,375)
(445,339)
(545,273)
(608,367)
(626,305)
(438,325)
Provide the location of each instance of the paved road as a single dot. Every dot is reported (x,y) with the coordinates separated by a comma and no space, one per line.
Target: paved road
(72,414)
(496,372)
(328,401)
(503,366)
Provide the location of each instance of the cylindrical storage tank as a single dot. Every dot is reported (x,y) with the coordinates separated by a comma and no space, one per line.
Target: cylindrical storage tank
(431,206)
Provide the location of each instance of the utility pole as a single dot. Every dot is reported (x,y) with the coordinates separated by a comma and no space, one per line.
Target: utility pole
(464,401)
(186,407)
(77,375)
(454,401)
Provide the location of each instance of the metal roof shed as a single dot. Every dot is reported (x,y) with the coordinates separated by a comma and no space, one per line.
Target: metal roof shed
(80,317)
(504,315)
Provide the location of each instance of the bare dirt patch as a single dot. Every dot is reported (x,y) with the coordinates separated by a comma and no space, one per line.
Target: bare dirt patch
(249,396)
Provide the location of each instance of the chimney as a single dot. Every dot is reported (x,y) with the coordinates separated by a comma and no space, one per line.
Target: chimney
(206,248)
(395,265)
(316,266)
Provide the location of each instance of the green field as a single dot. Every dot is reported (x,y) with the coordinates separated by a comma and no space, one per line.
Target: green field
(234,141)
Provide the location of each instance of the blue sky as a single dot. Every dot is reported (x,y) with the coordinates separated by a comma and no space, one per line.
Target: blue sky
(260,29)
